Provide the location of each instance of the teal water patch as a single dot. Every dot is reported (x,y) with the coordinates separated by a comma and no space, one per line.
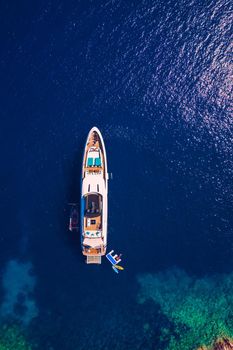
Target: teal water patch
(18,284)
(13,337)
(199,308)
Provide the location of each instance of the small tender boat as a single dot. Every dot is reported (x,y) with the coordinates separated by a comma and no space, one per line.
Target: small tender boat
(74,214)
(94,193)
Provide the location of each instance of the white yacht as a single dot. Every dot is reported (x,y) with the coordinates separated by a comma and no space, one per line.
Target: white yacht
(94,198)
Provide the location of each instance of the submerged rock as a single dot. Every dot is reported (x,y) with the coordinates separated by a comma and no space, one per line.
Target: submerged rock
(12,337)
(220,344)
(18,284)
(198,308)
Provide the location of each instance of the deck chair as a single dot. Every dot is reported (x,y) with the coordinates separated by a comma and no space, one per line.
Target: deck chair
(89,161)
(97,162)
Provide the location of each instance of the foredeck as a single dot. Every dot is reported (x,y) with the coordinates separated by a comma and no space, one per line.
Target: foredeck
(94,144)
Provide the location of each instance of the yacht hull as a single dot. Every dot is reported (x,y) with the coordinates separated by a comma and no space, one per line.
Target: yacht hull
(94,198)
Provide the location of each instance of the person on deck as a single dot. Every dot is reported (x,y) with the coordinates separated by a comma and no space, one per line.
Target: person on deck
(117,258)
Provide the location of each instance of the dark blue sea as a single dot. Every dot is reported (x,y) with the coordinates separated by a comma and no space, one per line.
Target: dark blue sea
(156,78)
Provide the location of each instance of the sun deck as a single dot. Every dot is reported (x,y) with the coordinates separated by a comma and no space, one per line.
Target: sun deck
(93,212)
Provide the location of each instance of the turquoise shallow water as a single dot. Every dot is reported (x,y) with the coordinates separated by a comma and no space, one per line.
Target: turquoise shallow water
(155,77)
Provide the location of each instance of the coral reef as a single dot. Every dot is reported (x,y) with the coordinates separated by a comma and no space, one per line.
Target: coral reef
(200,309)
(18,284)
(11,338)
